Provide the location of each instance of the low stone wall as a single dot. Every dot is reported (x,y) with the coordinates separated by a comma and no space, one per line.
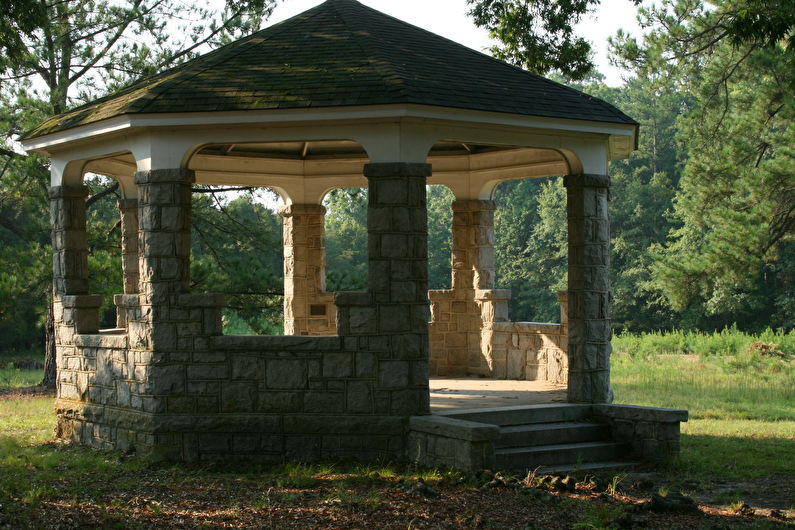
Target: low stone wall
(454,334)
(529,351)
(652,432)
(249,397)
(439,441)
(470,335)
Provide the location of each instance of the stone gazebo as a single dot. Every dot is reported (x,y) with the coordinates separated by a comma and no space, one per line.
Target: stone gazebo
(338,96)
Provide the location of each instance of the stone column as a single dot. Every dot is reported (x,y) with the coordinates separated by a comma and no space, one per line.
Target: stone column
(589,288)
(308,309)
(69,239)
(468,339)
(473,244)
(397,227)
(164,211)
(128,212)
(74,310)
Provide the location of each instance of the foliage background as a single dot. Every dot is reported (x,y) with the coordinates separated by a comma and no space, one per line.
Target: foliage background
(703,213)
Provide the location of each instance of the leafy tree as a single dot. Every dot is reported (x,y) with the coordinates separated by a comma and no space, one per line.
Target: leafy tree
(55,54)
(735,205)
(537,34)
(440,239)
(346,239)
(233,253)
(531,246)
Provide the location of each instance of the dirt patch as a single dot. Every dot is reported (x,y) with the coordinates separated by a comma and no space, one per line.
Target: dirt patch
(775,494)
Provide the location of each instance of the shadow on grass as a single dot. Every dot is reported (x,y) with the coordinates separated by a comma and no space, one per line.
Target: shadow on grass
(55,485)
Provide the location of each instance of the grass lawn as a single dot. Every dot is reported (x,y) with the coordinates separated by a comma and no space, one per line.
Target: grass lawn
(742,414)
(739,445)
(14,371)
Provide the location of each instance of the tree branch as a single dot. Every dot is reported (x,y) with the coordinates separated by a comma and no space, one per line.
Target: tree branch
(97,196)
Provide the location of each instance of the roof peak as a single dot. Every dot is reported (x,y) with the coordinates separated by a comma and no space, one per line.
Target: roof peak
(336,54)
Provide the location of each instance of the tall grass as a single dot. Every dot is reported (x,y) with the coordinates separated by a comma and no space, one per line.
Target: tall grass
(11,377)
(730,341)
(739,390)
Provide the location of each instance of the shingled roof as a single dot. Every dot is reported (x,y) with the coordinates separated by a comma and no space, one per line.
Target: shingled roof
(342,53)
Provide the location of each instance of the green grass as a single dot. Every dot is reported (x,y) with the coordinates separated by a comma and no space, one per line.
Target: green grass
(741,401)
(730,341)
(11,377)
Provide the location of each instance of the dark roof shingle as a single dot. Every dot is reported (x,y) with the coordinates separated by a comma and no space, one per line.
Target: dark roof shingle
(342,53)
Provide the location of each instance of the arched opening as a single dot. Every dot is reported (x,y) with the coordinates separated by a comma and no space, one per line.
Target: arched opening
(531,246)
(346,239)
(104,244)
(280,291)
(235,243)
(440,236)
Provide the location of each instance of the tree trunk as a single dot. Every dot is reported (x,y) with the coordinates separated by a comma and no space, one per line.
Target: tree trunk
(50,371)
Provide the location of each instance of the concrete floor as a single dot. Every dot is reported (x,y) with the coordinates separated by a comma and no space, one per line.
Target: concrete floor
(475,393)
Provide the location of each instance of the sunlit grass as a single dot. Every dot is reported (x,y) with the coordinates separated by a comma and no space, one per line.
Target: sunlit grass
(741,405)
(11,377)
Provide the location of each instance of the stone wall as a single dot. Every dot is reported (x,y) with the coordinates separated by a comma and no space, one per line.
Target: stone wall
(505,350)
(652,432)
(171,387)
(529,351)
(438,441)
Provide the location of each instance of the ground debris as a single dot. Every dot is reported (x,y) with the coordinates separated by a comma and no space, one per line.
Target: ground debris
(673,502)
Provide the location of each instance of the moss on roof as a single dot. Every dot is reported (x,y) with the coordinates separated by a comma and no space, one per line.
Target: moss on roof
(341,53)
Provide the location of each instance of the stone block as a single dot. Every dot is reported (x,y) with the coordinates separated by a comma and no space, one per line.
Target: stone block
(238,397)
(359,397)
(181,405)
(516,363)
(394,246)
(245,443)
(324,402)
(393,374)
(276,402)
(409,402)
(214,443)
(247,368)
(286,374)
(362,320)
(337,365)
(199,372)
(209,357)
(207,405)
(394,318)
(366,364)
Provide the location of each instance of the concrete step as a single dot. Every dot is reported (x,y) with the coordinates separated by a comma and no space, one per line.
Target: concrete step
(528,458)
(551,433)
(522,414)
(573,469)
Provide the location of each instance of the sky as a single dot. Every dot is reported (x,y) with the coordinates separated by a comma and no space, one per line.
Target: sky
(448,18)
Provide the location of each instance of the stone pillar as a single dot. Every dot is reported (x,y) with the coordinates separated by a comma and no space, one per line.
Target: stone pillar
(589,289)
(164,211)
(397,227)
(468,339)
(473,244)
(308,309)
(69,240)
(128,213)
(74,310)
